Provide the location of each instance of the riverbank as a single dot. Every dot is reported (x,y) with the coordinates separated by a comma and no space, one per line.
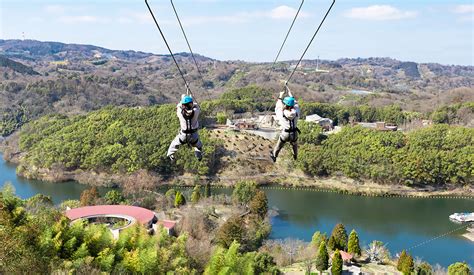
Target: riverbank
(283,174)
(341,185)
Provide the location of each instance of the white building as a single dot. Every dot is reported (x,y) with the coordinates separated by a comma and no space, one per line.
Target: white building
(325,123)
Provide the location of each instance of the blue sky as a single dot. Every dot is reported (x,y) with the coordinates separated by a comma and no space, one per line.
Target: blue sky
(422,31)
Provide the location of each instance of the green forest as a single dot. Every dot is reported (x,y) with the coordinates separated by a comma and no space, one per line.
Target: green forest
(436,155)
(113,139)
(124,140)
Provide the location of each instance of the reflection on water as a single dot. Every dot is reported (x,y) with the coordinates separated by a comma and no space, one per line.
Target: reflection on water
(399,222)
(26,188)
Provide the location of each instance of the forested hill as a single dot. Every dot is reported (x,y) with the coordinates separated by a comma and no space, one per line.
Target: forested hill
(75,79)
(126,140)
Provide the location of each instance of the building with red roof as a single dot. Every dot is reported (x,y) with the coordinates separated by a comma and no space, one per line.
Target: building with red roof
(132,214)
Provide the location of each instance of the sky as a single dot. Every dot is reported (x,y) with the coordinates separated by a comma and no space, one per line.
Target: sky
(408,30)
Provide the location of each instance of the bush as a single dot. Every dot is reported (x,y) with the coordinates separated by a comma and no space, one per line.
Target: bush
(244,191)
(459,269)
(179,199)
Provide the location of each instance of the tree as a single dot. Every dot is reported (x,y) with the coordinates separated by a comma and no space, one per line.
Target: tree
(377,252)
(114,197)
(318,238)
(244,191)
(459,269)
(230,261)
(259,204)
(179,199)
(89,196)
(207,190)
(231,230)
(353,244)
(409,265)
(336,267)
(405,263)
(401,260)
(196,195)
(424,268)
(338,239)
(265,264)
(322,259)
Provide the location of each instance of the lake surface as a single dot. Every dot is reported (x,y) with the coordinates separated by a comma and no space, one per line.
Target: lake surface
(401,223)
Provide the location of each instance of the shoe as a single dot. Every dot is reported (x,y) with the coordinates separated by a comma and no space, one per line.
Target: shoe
(198,155)
(172,158)
(272,156)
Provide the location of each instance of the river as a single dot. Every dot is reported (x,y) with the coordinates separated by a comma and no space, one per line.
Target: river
(401,223)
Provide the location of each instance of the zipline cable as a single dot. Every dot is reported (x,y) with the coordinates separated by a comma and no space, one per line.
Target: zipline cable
(309,44)
(188,90)
(287,34)
(439,236)
(189,46)
(278,55)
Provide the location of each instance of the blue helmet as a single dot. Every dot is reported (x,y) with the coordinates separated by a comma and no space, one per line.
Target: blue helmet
(289,101)
(187,99)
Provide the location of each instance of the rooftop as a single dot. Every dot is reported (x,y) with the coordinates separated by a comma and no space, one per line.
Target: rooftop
(140,214)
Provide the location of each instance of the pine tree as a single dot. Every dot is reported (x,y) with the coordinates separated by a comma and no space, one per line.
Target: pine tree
(322,258)
(401,260)
(207,190)
(336,268)
(196,195)
(259,204)
(179,199)
(353,245)
(408,265)
(339,236)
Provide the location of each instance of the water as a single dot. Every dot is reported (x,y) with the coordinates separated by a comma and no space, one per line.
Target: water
(401,223)
(26,188)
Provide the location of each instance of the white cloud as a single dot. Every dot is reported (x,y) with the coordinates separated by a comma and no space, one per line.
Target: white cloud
(280,12)
(69,19)
(463,9)
(140,18)
(465,13)
(285,12)
(379,13)
(54,8)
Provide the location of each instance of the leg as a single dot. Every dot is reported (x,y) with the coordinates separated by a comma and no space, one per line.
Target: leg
(294,144)
(278,146)
(197,145)
(177,141)
(295,150)
(281,142)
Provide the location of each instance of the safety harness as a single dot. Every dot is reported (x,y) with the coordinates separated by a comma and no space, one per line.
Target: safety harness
(292,128)
(189,130)
(188,117)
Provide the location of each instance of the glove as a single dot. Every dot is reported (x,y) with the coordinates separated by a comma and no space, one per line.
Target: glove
(281,95)
(182,96)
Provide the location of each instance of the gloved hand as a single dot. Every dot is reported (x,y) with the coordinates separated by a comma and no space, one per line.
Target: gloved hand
(282,93)
(182,96)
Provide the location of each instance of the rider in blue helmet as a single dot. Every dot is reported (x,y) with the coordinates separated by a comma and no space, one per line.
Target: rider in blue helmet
(287,112)
(187,111)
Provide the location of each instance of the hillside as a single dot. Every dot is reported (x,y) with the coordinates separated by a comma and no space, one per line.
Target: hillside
(75,79)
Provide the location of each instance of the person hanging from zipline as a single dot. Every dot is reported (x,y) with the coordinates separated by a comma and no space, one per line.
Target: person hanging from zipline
(287,113)
(187,111)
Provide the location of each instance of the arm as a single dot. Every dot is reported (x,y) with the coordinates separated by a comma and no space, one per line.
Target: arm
(197,109)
